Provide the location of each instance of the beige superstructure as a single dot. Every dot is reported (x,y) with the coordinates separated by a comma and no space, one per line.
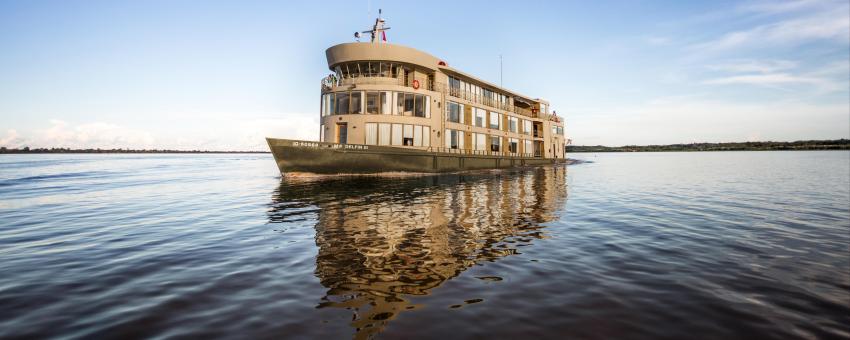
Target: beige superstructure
(391,95)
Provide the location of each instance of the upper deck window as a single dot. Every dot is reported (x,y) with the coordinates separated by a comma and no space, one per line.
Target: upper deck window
(495,120)
(454,112)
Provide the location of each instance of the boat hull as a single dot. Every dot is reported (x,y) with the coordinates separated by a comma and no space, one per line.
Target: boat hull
(294,156)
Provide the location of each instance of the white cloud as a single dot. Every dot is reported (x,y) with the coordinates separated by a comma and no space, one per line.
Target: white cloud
(764,79)
(213,132)
(761,66)
(832,23)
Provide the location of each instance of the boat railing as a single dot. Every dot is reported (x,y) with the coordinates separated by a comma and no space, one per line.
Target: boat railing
(439,149)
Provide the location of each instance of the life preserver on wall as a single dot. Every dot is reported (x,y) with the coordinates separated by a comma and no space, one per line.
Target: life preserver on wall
(415,84)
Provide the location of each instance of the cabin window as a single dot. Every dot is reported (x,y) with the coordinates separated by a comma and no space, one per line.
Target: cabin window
(374,69)
(419,106)
(371,133)
(408,104)
(417,135)
(513,145)
(480,116)
(479,141)
(454,112)
(512,124)
(495,143)
(407,137)
(384,134)
(373,104)
(342,103)
(495,120)
(454,139)
(356,102)
(385,102)
(396,137)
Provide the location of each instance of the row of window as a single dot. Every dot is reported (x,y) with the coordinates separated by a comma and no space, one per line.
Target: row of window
(483,142)
(369,69)
(454,113)
(398,134)
(482,94)
(557,130)
(376,102)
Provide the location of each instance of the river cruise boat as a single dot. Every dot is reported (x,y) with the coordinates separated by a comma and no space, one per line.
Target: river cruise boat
(392,108)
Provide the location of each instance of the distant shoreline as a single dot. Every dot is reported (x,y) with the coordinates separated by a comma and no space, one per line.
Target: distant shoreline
(111,151)
(837,144)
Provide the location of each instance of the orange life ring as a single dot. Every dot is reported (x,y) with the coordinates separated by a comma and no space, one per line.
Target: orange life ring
(415,84)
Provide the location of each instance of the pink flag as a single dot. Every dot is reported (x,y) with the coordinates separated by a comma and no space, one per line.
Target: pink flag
(384,36)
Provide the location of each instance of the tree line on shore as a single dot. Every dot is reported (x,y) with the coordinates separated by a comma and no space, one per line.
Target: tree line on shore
(834,144)
(27,149)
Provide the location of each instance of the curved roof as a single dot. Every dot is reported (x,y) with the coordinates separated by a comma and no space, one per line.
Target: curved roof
(360,51)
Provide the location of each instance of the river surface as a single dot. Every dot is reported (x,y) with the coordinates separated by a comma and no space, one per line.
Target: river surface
(718,245)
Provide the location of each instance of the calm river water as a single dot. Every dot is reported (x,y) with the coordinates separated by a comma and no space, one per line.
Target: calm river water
(644,245)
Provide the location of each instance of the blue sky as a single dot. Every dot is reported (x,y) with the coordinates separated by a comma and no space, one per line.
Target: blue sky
(223,75)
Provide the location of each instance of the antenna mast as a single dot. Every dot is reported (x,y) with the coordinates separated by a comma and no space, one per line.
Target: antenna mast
(377,29)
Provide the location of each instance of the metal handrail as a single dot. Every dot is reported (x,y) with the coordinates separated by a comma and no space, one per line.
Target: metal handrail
(440,149)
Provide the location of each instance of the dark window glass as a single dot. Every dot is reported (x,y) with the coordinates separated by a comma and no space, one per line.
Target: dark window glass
(454,112)
(408,104)
(373,106)
(419,106)
(494,144)
(399,103)
(342,103)
(356,98)
(374,69)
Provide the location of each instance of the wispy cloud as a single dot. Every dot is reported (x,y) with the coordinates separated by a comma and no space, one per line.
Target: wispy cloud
(779,73)
(751,65)
(831,24)
(222,132)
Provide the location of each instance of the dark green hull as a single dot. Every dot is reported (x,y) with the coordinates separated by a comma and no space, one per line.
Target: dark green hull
(293,156)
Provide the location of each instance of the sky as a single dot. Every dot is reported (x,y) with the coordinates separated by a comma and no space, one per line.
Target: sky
(222,75)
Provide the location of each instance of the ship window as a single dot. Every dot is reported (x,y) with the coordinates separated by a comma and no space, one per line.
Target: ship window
(495,143)
(453,112)
(417,135)
(419,107)
(342,103)
(394,70)
(479,117)
(384,134)
(513,144)
(495,119)
(373,105)
(407,137)
(374,69)
(480,141)
(396,139)
(356,102)
(454,139)
(385,105)
(512,124)
(408,104)
(371,133)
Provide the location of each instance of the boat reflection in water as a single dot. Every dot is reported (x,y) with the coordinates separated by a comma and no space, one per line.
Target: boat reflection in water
(382,241)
